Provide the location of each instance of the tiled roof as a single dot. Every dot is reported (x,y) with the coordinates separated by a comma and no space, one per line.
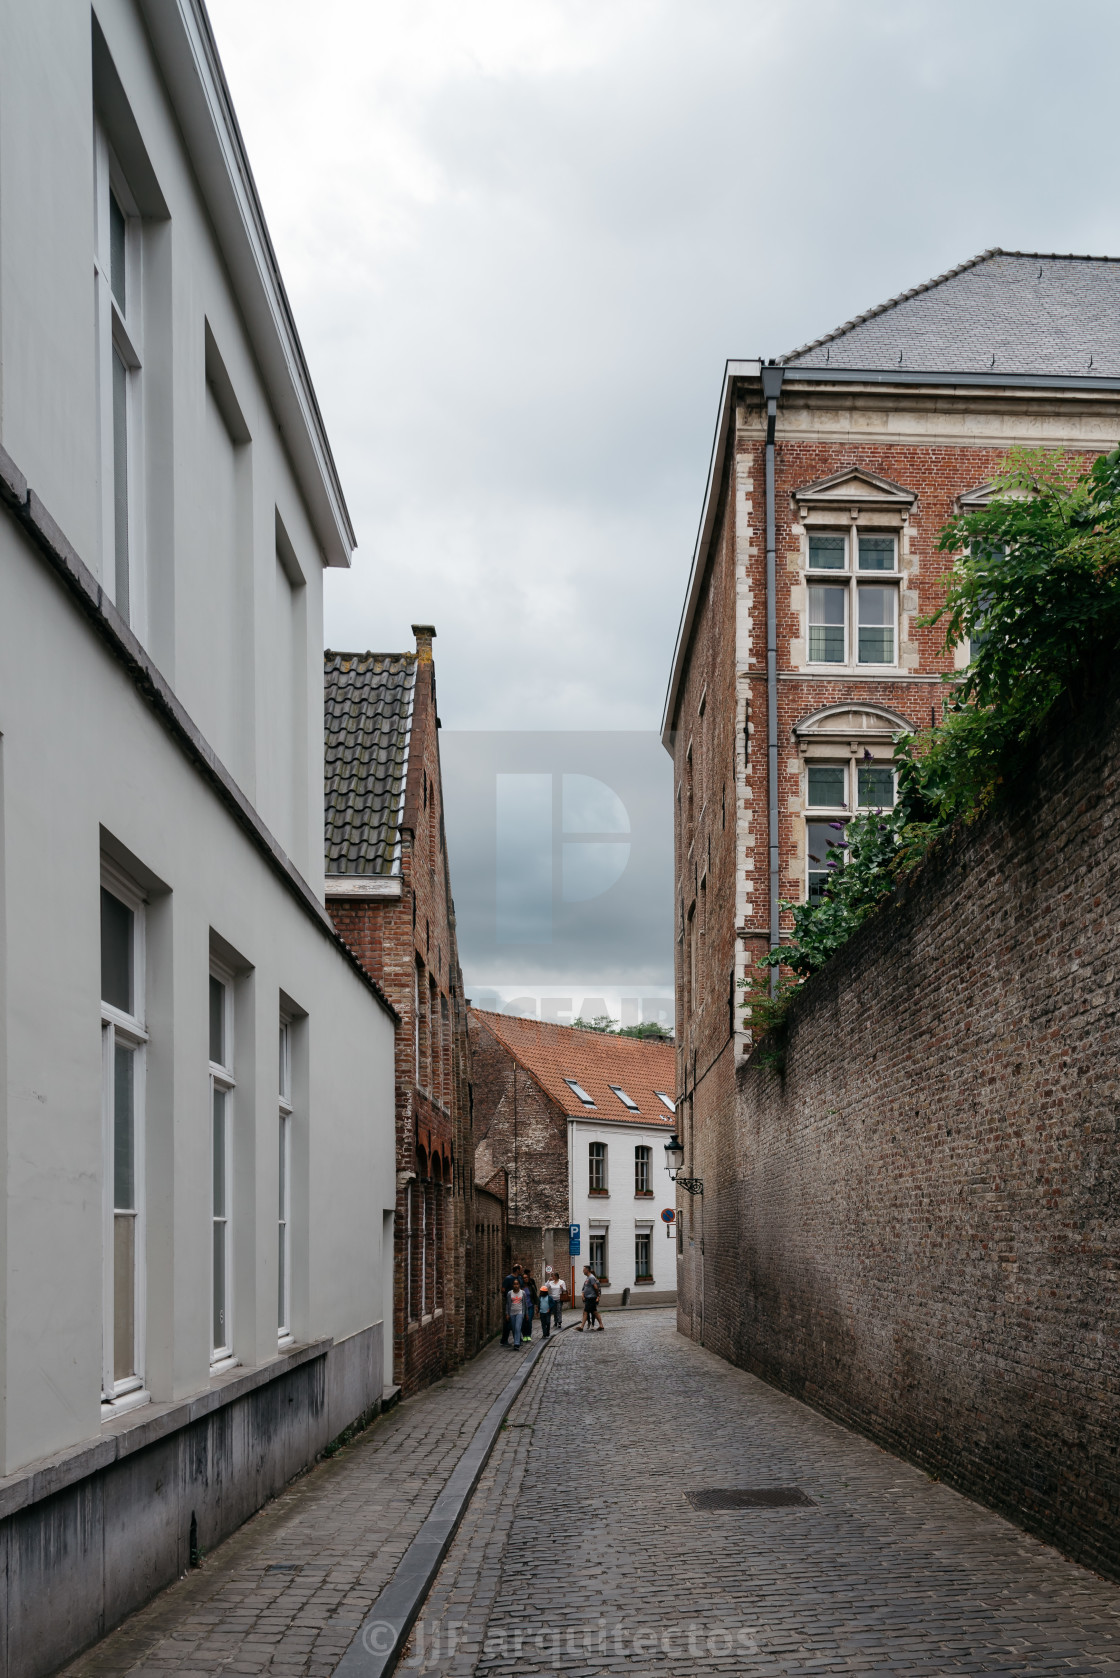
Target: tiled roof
(368,722)
(1003,312)
(595,1060)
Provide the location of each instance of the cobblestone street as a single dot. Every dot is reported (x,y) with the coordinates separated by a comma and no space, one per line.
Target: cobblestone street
(580,1553)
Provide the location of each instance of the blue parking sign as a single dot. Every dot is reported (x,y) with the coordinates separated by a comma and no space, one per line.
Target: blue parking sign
(573,1240)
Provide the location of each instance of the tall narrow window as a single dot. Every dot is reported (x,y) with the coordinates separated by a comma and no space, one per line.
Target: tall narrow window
(597,1167)
(642,1165)
(117,276)
(643,1270)
(123,1043)
(221,1157)
(597,1253)
(284,1184)
(827,623)
(876,624)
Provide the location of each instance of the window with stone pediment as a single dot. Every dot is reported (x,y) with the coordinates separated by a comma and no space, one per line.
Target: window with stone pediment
(852,527)
(847,756)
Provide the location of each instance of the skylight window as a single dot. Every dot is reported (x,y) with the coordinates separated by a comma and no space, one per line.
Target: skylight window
(627,1101)
(667,1100)
(579,1091)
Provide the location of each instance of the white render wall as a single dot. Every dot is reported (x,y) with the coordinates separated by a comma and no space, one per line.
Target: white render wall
(86,767)
(620,1210)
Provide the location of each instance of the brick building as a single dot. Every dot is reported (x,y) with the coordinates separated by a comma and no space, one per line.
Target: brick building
(389,893)
(801,652)
(578,1120)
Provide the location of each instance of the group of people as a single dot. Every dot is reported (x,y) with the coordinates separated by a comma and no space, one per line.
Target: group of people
(523,1297)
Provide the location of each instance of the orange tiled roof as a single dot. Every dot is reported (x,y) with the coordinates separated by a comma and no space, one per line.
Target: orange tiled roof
(595,1060)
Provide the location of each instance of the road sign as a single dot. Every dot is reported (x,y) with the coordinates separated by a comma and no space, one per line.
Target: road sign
(573,1240)
(668,1215)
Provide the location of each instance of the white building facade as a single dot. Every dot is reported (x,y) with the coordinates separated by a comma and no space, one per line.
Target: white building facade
(196,1078)
(619,1188)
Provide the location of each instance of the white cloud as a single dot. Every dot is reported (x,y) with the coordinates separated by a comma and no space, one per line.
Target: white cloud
(521,239)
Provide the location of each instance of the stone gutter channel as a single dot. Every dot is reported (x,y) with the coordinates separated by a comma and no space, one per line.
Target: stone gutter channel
(379,1641)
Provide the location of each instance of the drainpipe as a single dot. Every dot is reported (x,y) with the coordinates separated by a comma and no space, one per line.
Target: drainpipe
(771,390)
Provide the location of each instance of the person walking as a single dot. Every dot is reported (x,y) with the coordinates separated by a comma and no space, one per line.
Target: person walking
(557,1288)
(515,1303)
(532,1295)
(544,1308)
(591,1292)
(507,1284)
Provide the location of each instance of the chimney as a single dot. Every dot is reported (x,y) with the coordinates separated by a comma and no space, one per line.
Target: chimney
(425,634)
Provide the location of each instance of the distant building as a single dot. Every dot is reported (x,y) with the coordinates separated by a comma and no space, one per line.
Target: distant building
(389,891)
(802,650)
(579,1121)
(196,1075)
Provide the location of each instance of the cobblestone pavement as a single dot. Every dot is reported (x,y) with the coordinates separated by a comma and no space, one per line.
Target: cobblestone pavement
(286,1593)
(580,1555)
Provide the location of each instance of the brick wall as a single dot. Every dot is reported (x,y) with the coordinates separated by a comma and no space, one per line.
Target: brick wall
(518,1129)
(914,1226)
(444,1238)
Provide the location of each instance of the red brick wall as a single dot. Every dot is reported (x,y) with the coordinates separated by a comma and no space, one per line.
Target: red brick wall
(912,1226)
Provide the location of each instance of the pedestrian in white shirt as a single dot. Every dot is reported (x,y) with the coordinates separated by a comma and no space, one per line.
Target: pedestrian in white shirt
(557,1288)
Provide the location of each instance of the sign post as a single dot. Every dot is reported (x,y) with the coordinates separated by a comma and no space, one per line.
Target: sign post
(573,1252)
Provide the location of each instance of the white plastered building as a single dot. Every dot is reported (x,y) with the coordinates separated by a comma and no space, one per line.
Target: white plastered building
(196,1078)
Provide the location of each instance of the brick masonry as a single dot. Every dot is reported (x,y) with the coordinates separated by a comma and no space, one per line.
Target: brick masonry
(520,1131)
(914,1225)
(450,1237)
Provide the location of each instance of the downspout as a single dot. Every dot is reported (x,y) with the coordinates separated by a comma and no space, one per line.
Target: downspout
(771,390)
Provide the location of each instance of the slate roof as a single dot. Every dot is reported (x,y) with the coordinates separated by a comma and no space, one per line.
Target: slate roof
(1003,312)
(595,1060)
(368,724)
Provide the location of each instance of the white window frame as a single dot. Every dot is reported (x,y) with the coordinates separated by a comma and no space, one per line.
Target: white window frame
(600,1234)
(849,581)
(602,1187)
(120,334)
(284,1333)
(128,1028)
(643,1232)
(643,1153)
(221,1078)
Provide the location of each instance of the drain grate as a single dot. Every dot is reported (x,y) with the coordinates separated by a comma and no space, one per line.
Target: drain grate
(755,1497)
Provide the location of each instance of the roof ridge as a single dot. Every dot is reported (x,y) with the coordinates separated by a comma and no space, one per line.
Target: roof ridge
(893,302)
(335,652)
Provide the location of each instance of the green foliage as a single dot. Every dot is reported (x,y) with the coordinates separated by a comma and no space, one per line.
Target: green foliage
(1035,595)
(605,1025)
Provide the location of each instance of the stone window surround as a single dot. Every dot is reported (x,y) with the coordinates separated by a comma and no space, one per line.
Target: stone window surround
(847,504)
(818,743)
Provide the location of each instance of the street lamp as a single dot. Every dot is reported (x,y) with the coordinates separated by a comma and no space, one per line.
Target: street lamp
(674,1159)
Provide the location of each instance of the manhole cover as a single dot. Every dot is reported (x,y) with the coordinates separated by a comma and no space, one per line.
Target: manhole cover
(755,1497)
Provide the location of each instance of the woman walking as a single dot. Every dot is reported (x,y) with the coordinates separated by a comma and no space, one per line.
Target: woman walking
(544,1306)
(515,1302)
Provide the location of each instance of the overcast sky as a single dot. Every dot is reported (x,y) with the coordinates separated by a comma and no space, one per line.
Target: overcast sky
(521,237)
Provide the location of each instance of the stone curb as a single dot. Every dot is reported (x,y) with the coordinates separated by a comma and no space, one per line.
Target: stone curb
(377,1645)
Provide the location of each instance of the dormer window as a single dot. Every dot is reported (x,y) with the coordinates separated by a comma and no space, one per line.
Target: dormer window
(627,1101)
(579,1092)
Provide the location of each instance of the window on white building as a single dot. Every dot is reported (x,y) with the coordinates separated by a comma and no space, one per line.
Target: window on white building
(222,1089)
(597,1253)
(123,1047)
(284,1208)
(597,1167)
(118,284)
(643,1265)
(643,1161)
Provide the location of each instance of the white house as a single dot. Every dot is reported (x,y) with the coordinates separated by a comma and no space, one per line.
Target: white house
(619,1189)
(196,1078)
